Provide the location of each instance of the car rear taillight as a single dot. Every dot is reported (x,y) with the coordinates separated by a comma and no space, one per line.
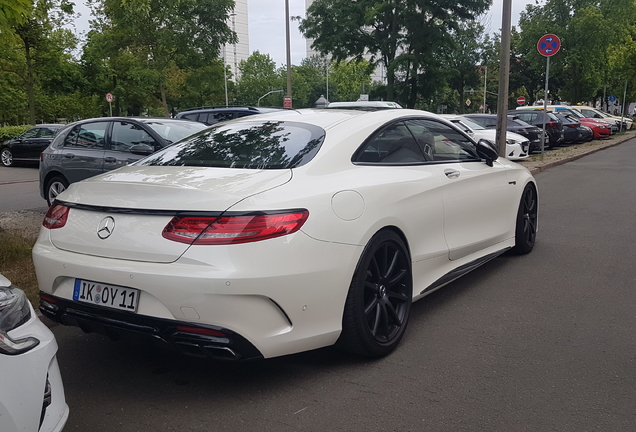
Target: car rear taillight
(225,230)
(55,217)
(552,125)
(572,126)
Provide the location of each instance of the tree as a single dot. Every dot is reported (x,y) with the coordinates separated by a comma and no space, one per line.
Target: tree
(35,43)
(400,34)
(258,77)
(153,36)
(12,14)
(350,79)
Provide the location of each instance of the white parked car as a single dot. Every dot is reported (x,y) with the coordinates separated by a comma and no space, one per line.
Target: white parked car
(31,391)
(282,233)
(517,146)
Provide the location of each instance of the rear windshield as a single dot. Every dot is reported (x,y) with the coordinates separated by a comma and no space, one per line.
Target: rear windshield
(252,145)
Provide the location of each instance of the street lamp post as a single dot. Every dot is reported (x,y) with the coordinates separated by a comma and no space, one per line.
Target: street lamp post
(289,87)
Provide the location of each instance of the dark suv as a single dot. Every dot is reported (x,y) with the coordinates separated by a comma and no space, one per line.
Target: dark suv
(215,114)
(553,126)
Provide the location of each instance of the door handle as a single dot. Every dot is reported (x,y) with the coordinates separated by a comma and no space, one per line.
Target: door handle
(69,156)
(110,159)
(451,174)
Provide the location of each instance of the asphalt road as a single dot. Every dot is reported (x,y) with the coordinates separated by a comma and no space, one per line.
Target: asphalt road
(534,343)
(19,189)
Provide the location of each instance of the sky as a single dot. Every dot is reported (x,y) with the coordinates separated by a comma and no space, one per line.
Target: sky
(267,25)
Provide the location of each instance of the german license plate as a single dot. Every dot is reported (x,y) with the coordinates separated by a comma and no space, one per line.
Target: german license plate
(111,296)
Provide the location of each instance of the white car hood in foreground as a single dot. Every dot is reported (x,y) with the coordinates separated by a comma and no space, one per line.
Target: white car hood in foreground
(137,235)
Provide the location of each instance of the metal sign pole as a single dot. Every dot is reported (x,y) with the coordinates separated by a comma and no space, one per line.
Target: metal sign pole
(545,103)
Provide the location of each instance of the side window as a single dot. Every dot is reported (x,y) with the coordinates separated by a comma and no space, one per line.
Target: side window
(219,117)
(46,133)
(392,145)
(242,114)
(440,142)
(31,133)
(491,123)
(88,135)
(192,117)
(125,135)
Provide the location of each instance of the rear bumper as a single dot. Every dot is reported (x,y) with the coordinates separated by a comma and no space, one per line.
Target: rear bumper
(268,300)
(120,325)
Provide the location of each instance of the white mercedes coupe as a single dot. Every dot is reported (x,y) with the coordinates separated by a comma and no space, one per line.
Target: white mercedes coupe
(283,232)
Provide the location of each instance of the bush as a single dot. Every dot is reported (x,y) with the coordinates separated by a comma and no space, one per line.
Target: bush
(8,132)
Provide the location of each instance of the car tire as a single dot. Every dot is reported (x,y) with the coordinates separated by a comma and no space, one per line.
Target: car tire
(6,157)
(55,186)
(379,300)
(526,222)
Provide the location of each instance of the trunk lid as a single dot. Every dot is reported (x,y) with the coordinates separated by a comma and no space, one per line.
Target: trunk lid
(122,214)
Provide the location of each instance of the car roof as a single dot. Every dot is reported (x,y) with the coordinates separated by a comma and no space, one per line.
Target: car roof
(364,104)
(229,108)
(329,118)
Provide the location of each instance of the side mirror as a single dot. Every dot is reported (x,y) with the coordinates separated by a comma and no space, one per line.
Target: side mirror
(142,149)
(486,150)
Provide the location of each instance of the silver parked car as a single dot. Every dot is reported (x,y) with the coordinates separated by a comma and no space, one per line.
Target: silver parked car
(93,146)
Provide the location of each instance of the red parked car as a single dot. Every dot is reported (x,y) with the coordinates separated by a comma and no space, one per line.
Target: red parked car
(600,129)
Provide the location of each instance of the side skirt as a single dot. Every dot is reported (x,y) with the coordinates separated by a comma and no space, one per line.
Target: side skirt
(461,271)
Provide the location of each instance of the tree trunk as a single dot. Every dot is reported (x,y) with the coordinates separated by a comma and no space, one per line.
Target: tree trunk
(166,113)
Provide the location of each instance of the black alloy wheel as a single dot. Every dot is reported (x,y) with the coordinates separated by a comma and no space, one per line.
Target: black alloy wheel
(526,225)
(379,301)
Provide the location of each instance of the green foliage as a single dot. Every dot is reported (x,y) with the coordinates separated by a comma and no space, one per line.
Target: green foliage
(8,132)
(259,77)
(405,36)
(13,13)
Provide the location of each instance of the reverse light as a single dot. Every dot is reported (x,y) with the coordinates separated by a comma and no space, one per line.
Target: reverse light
(225,230)
(56,217)
(201,331)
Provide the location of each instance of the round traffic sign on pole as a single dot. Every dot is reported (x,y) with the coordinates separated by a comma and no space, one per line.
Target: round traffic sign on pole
(109,97)
(549,45)
(521,100)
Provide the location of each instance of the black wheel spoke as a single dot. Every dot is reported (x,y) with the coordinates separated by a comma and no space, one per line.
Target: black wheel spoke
(401,297)
(397,278)
(391,266)
(369,308)
(376,320)
(393,314)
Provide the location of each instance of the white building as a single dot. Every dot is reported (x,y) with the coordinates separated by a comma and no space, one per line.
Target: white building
(234,53)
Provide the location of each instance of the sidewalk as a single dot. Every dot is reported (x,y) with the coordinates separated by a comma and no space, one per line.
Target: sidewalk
(566,154)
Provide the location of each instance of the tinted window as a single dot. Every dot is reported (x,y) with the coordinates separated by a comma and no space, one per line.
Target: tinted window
(216,117)
(31,133)
(47,132)
(392,145)
(192,117)
(174,130)
(125,135)
(88,135)
(441,142)
(254,145)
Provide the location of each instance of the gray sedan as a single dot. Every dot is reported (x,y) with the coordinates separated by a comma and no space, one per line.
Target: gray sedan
(93,146)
